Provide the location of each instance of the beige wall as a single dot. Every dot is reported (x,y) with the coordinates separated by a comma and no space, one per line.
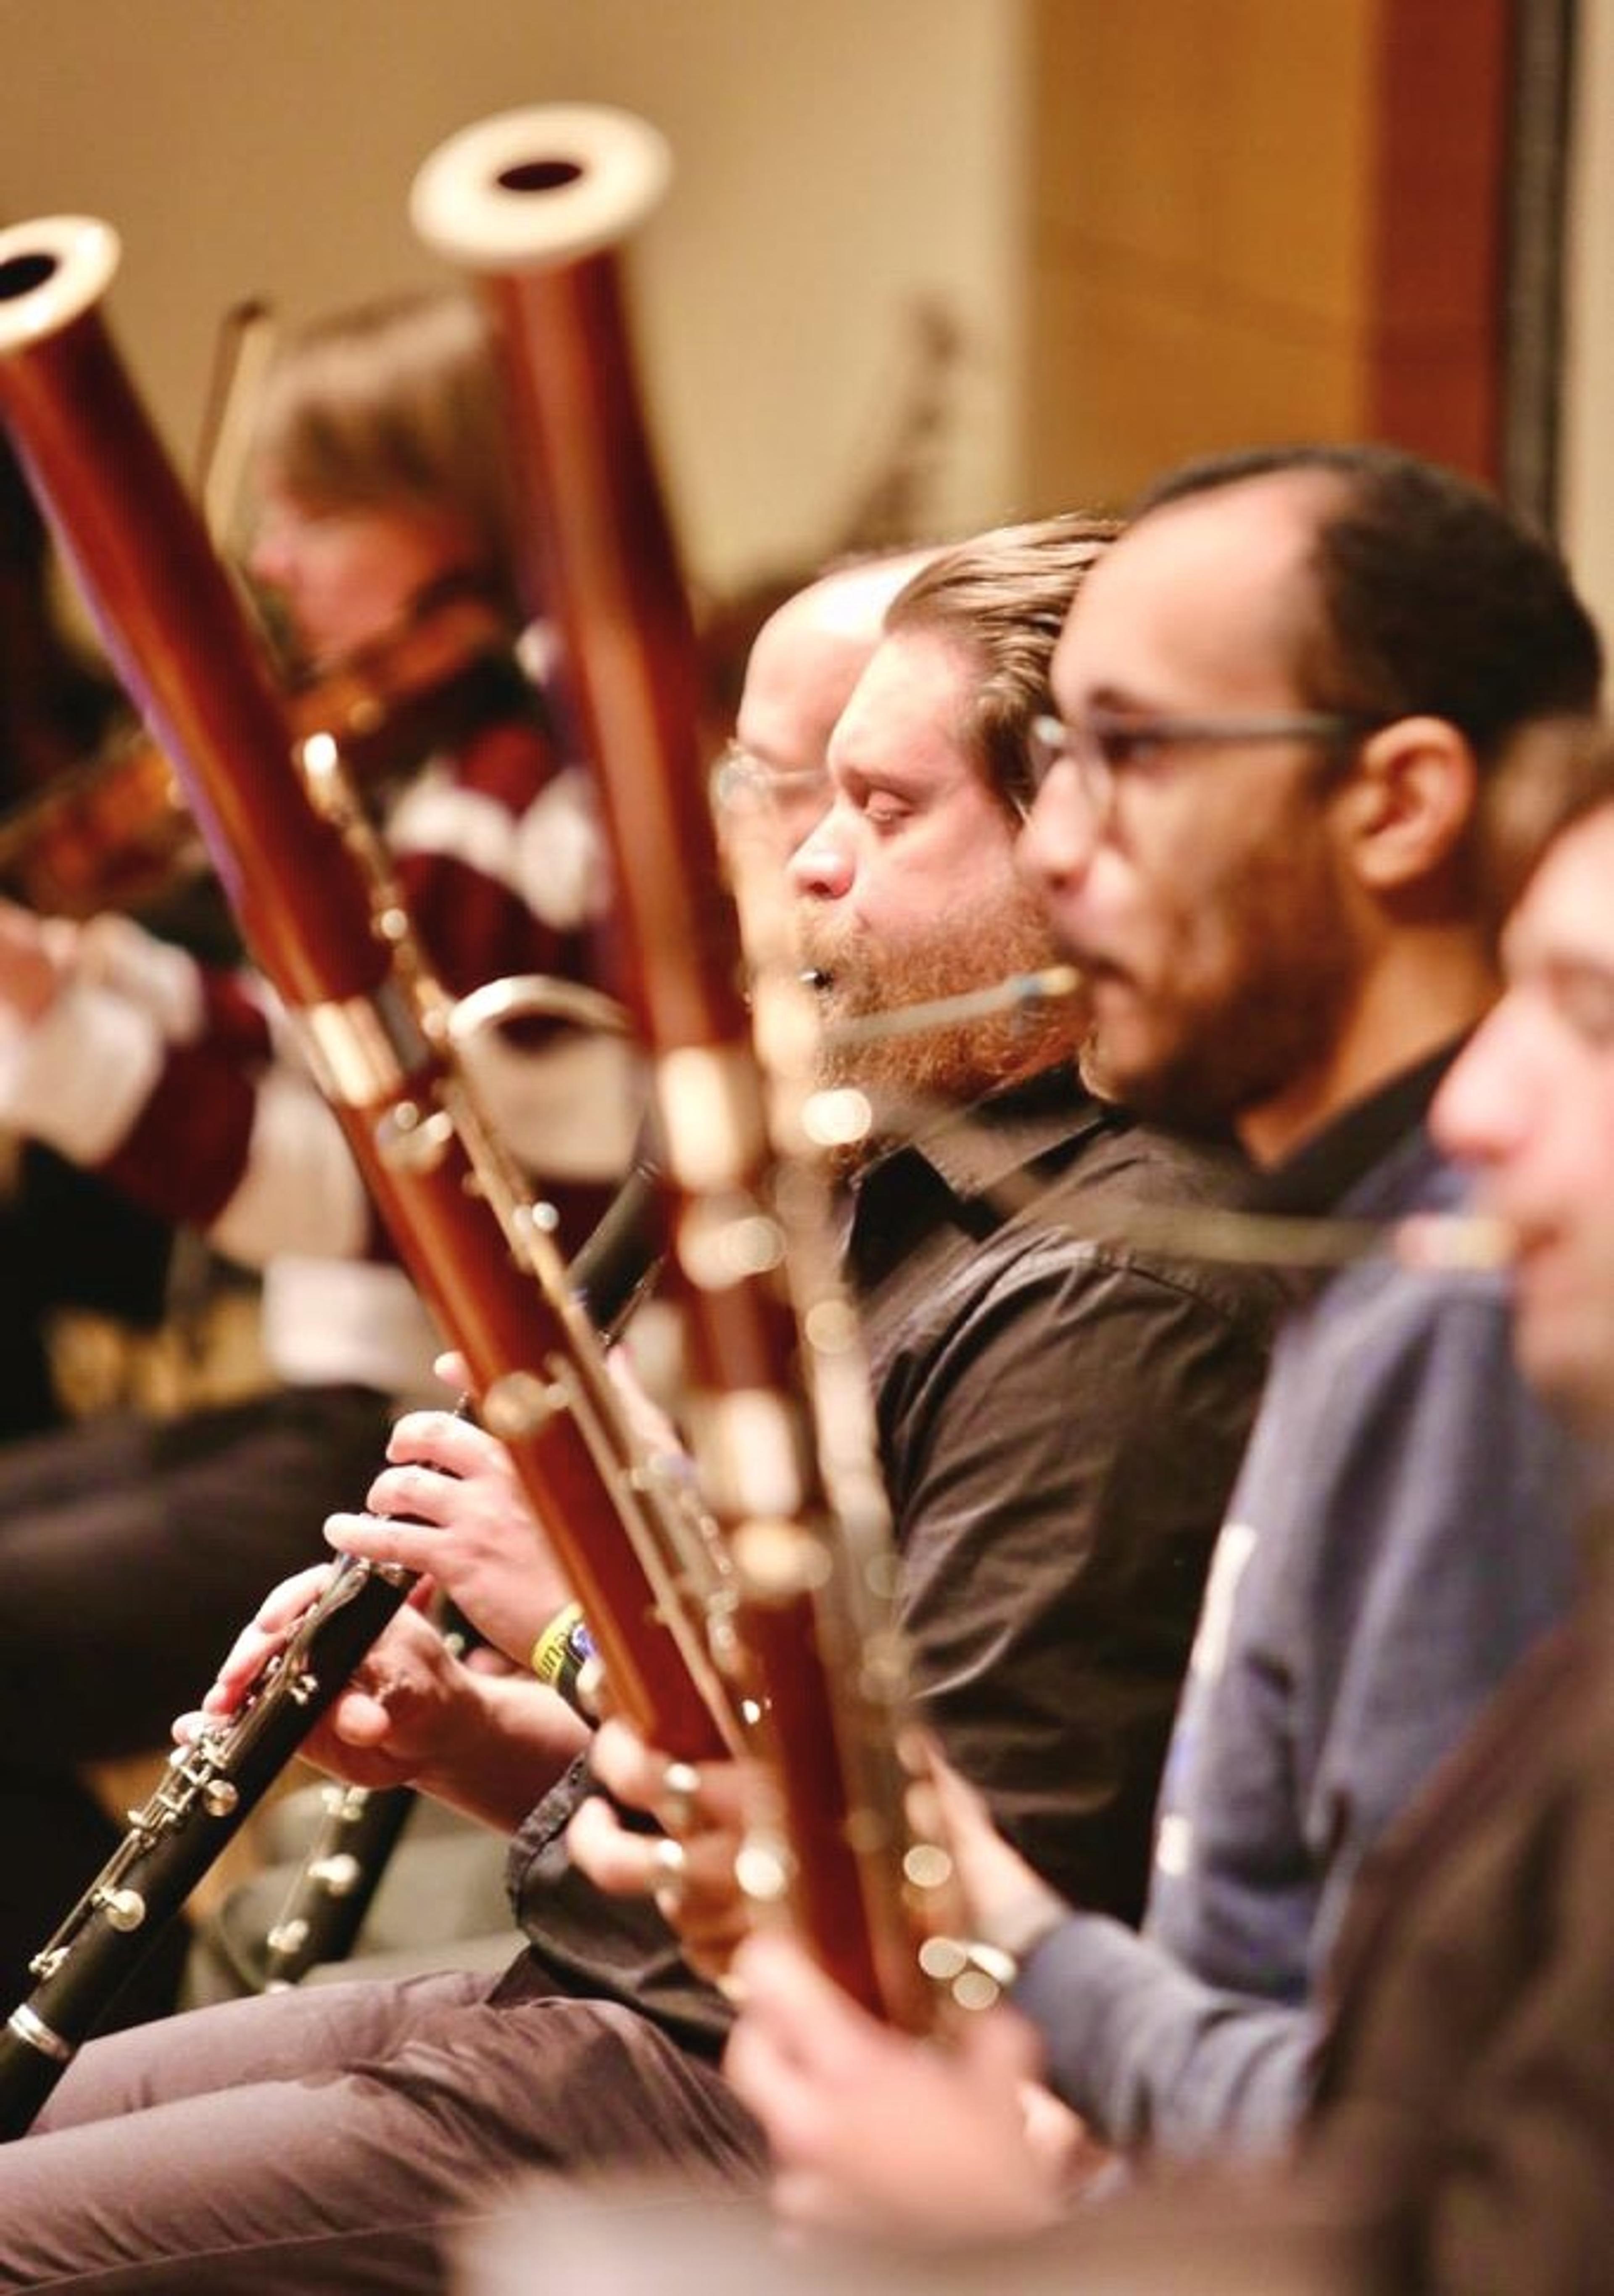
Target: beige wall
(1199,243)
(836,157)
(1254,220)
(835,160)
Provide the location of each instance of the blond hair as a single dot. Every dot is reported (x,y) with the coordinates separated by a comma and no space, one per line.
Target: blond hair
(1002,599)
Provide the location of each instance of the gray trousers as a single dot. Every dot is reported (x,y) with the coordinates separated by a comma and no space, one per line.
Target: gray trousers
(335,2140)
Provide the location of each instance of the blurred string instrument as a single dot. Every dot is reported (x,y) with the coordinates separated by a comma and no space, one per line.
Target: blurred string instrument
(535,204)
(242,357)
(895,502)
(116,831)
(110,829)
(320,914)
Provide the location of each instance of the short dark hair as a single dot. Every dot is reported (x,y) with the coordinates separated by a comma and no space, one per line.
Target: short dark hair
(1003,597)
(1435,600)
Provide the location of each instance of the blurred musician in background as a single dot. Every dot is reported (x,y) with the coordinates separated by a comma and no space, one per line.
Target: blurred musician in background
(66,1238)
(55,707)
(129,1549)
(1058,1425)
(806,657)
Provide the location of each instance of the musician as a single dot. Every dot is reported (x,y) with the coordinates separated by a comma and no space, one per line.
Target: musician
(1059,1538)
(1468,2085)
(130,1550)
(1461,2141)
(65,1238)
(1058,1423)
(800,675)
(1281,696)
(806,660)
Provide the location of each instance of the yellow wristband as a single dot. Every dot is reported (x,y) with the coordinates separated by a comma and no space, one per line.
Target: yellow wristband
(553,1646)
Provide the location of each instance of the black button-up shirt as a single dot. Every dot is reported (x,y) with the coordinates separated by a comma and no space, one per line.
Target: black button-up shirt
(1060,1421)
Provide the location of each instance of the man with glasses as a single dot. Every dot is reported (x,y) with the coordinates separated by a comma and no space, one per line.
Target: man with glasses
(1280,697)
(800,673)
(1461,2146)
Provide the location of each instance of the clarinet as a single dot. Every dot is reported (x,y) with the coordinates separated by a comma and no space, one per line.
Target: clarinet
(533,203)
(322,917)
(335,1885)
(360,1827)
(212,1786)
(209,1788)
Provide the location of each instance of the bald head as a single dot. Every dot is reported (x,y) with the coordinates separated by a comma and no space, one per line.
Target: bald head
(808,657)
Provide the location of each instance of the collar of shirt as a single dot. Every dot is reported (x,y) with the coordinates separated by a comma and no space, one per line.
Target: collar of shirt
(1320,1175)
(960,1162)
(974,1148)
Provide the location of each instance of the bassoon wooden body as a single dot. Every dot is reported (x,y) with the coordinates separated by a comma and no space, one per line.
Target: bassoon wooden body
(535,205)
(323,924)
(321,919)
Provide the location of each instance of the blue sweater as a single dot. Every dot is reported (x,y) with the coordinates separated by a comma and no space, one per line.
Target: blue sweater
(1401,1532)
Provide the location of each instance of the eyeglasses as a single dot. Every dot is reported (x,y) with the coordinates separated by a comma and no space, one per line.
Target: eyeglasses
(1103,745)
(740,770)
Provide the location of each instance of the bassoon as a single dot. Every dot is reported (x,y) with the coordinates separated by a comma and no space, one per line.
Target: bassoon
(535,204)
(327,928)
(322,918)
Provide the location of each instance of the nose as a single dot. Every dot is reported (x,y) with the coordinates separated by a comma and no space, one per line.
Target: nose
(1061,833)
(823,867)
(1483,1112)
(797,811)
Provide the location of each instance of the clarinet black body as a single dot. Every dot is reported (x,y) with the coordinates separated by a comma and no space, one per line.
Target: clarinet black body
(619,1262)
(209,1789)
(336,1883)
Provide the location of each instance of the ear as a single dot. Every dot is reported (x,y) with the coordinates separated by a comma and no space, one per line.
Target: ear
(1408,805)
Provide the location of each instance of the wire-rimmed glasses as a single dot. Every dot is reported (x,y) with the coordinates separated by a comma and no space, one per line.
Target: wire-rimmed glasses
(1102,744)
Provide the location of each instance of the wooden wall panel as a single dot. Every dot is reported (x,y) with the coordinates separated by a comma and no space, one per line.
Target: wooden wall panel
(1251,220)
(1433,298)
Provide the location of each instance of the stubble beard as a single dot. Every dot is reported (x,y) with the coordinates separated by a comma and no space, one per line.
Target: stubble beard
(1279,991)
